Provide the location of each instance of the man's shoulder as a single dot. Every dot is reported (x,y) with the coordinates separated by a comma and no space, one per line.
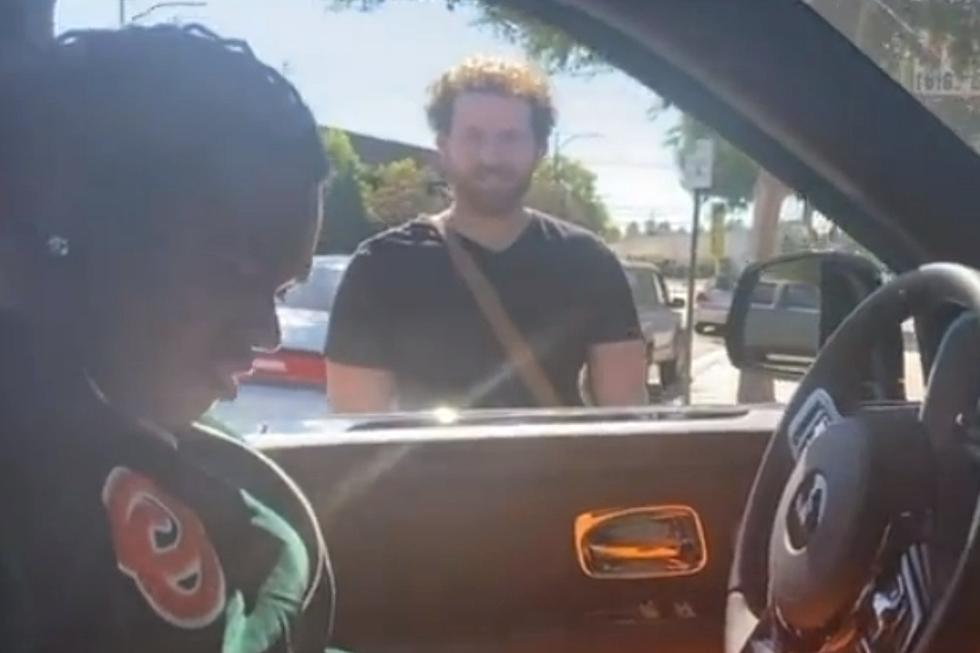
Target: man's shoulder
(408,237)
(568,234)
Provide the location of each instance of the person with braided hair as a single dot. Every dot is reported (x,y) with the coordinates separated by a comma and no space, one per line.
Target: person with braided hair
(158,187)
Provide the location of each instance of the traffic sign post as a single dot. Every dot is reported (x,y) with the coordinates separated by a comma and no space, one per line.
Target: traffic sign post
(696,175)
(691,277)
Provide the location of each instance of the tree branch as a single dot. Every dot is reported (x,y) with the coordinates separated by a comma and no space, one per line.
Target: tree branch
(161,5)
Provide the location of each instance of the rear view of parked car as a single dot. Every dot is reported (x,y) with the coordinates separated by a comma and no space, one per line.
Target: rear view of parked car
(287,387)
(318,291)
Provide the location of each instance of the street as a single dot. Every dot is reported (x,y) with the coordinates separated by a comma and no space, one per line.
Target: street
(715,380)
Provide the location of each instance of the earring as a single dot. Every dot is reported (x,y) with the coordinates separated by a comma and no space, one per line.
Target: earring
(58,246)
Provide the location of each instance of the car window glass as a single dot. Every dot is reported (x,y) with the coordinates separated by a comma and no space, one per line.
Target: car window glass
(764,294)
(927,46)
(799,295)
(614,170)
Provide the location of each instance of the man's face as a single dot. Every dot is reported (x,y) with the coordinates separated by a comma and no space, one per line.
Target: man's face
(490,152)
(175,322)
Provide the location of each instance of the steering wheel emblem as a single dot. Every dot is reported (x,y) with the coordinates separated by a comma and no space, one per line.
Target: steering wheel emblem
(806,511)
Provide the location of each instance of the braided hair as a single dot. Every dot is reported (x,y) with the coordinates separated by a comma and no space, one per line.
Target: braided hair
(125,120)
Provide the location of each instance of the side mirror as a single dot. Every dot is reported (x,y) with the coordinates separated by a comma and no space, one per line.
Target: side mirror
(677,302)
(784,309)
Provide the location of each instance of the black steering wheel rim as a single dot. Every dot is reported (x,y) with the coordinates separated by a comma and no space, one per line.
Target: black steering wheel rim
(834,372)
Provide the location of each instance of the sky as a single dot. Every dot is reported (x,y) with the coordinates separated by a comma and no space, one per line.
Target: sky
(368,72)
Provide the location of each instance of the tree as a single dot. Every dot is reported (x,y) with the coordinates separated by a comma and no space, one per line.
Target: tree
(633,230)
(551,47)
(401,191)
(346,220)
(906,35)
(566,189)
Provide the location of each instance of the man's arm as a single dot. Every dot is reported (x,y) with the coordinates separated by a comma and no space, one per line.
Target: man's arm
(359,379)
(617,354)
(353,389)
(617,373)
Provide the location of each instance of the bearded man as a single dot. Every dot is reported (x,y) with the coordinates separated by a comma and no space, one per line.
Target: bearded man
(409,331)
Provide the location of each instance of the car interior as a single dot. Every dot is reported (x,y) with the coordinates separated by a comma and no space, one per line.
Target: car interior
(844,518)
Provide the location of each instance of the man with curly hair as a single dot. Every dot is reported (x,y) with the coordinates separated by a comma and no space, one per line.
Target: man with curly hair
(407,329)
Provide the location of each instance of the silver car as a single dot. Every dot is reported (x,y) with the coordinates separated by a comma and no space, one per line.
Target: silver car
(660,323)
(287,388)
(784,318)
(711,306)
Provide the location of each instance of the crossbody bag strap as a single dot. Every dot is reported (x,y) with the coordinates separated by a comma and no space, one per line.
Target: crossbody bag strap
(513,342)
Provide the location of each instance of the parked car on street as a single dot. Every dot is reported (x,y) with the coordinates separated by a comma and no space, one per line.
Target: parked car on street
(785,316)
(318,291)
(287,387)
(661,325)
(711,306)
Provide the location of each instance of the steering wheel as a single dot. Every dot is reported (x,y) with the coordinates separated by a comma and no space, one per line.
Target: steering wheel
(859,531)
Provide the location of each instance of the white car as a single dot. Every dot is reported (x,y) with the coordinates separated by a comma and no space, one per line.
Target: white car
(287,388)
(711,306)
(318,291)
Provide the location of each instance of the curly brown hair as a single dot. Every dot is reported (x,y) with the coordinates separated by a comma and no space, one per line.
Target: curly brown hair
(497,75)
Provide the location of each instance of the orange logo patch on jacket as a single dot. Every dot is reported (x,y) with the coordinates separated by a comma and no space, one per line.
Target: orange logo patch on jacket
(161,544)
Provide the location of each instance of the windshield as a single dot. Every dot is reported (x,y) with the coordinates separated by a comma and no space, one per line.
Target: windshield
(931,47)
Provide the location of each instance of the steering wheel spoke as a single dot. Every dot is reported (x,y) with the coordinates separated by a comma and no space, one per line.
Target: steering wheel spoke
(898,605)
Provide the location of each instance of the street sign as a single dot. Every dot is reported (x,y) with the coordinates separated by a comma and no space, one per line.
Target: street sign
(718,231)
(698,166)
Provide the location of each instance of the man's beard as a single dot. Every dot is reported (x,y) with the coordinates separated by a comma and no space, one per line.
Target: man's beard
(491,202)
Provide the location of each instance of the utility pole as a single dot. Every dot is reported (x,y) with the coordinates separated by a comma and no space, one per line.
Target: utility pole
(122,13)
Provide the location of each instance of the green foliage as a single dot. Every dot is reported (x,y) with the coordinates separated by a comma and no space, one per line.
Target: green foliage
(346,220)
(340,151)
(401,191)
(552,48)
(566,189)
(898,33)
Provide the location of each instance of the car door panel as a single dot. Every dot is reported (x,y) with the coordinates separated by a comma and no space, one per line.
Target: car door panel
(462,537)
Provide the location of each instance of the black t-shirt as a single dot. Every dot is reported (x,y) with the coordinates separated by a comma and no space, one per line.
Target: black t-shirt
(402,307)
(116,538)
